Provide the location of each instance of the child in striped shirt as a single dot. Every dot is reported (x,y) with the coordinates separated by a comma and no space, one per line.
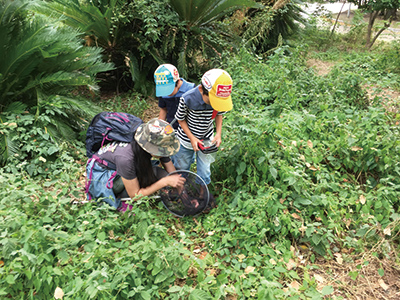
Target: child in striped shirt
(197,110)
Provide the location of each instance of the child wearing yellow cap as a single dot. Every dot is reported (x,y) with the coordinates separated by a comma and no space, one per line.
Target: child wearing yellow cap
(198,109)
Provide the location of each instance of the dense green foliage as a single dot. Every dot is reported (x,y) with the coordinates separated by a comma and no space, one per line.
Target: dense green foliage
(306,160)
(314,150)
(137,36)
(41,64)
(309,164)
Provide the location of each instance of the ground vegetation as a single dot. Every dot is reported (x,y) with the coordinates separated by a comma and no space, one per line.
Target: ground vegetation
(306,181)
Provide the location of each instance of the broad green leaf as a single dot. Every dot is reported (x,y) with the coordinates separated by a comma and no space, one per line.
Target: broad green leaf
(145,295)
(161,277)
(316,238)
(241,168)
(174,289)
(327,290)
(273,172)
(199,295)
(10,279)
(142,229)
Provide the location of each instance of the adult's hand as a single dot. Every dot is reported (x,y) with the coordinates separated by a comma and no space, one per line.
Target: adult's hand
(175,180)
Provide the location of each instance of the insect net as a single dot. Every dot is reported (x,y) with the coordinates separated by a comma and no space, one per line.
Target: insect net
(189,200)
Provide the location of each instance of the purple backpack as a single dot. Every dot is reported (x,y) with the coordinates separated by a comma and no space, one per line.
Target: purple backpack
(105,128)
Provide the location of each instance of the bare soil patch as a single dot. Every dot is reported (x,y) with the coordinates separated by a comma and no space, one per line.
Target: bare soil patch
(321,67)
(364,278)
(388,98)
(153,110)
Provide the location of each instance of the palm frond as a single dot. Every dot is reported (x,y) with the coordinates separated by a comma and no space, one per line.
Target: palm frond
(16,107)
(8,148)
(90,18)
(202,12)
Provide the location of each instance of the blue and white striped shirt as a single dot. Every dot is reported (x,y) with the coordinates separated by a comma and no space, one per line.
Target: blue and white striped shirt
(197,115)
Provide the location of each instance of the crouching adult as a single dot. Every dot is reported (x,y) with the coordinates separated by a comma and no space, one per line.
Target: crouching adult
(124,170)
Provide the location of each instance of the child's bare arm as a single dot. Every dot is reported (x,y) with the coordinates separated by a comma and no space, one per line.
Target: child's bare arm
(218,127)
(163,114)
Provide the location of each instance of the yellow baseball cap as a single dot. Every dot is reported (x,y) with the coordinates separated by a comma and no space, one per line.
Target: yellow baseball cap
(219,86)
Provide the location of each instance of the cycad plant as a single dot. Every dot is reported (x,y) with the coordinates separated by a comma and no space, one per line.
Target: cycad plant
(204,37)
(138,35)
(41,63)
(124,30)
(276,21)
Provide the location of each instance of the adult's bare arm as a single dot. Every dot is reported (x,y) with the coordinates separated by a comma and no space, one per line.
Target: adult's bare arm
(133,188)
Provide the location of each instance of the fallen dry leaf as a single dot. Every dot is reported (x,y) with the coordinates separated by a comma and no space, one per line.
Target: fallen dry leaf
(249,269)
(272,261)
(339,258)
(241,256)
(383,284)
(296,216)
(362,199)
(291,264)
(387,231)
(58,293)
(280,143)
(319,278)
(203,254)
(356,148)
(303,228)
(309,144)
(212,272)
(295,285)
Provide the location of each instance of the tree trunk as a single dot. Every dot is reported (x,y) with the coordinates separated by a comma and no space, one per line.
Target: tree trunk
(386,25)
(372,18)
(337,18)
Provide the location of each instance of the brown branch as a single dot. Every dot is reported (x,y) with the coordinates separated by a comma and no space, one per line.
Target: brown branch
(337,18)
(386,26)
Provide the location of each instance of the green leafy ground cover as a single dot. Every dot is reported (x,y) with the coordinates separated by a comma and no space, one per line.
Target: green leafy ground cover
(308,176)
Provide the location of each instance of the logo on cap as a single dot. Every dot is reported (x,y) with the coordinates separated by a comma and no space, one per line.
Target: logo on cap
(206,82)
(168,129)
(176,74)
(223,90)
(154,128)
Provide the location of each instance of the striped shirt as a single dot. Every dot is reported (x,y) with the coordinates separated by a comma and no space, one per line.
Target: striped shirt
(197,115)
